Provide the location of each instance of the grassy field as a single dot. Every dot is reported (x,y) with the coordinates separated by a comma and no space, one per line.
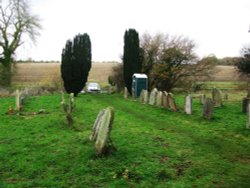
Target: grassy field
(42,73)
(155,147)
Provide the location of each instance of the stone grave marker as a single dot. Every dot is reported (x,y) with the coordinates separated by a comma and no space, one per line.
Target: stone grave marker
(217,97)
(145,93)
(96,125)
(248,117)
(245,103)
(188,105)
(171,102)
(202,98)
(208,108)
(18,100)
(165,99)
(125,93)
(159,99)
(103,140)
(152,97)
(141,98)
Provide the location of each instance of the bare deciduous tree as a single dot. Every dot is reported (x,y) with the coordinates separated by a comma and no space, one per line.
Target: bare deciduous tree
(171,59)
(16,21)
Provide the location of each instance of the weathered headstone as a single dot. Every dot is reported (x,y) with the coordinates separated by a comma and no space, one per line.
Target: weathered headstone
(245,103)
(248,117)
(125,93)
(68,109)
(188,104)
(171,102)
(103,139)
(159,99)
(202,98)
(164,99)
(152,97)
(141,99)
(96,125)
(18,102)
(133,93)
(217,98)
(208,109)
(145,98)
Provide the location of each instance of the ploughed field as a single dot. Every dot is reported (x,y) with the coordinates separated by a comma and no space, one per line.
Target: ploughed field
(33,73)
(155,147)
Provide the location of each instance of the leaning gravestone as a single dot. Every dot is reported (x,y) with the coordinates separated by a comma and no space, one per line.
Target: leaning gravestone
(248,117)
(217,98)
(245,103)
(188,104)
(208,109)
(159,99)
(103,140)
(96,125)
(171,102)
(164,99)
(152,97)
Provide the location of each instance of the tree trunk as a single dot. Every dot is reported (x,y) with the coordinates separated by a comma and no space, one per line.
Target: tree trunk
(6,70)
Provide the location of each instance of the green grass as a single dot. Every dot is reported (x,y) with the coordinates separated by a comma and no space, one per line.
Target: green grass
(155,147)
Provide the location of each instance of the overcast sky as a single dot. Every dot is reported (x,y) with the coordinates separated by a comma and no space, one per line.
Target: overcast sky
(218,27)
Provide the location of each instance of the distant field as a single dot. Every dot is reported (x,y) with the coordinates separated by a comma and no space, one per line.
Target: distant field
(33,73)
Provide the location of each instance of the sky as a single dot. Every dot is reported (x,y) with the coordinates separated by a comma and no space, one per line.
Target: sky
(218,27)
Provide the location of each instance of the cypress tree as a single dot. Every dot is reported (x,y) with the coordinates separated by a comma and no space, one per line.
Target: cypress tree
(76,63)
(132,62)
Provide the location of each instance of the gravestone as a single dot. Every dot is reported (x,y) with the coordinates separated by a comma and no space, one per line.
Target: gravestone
(159,99)
(18,100)
(188,104)
(202,98)
(164,99)
(96,125)
(145,93)
(125,93)
(103,140)
(248,117)
(141,99)
(171,102)
(152,97)
(133,93)
(245,103)
(208,109)
(217,98)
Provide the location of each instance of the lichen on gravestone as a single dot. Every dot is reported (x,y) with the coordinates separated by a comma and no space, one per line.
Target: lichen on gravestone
(159,99)
(103,140)
(96,125)
(152,97)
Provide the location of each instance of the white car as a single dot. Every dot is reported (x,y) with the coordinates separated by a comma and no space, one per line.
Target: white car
(93,87)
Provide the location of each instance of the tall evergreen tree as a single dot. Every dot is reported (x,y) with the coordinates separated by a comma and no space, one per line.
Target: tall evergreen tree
(131,57)
(76,63)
